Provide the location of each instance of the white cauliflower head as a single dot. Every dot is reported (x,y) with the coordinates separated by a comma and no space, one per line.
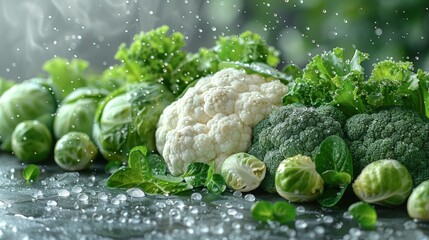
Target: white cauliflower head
(214,119)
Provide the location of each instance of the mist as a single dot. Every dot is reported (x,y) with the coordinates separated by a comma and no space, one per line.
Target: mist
(36,31)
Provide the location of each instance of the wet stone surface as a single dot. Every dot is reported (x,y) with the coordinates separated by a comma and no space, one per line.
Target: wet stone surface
(70,205)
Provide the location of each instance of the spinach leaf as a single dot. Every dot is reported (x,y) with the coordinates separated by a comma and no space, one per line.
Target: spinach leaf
(214,182)
(334,163)
(149,173)
(196,174)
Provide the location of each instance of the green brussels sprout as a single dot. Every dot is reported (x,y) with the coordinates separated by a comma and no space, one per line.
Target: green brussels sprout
(127,118)
(31,100)
(75,151)
(243,172)
(31,141)
(297,180)
(418,202)
(384,182)
(77,111)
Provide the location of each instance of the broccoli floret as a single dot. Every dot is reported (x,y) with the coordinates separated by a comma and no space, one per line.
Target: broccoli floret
(393,133)
(291,130)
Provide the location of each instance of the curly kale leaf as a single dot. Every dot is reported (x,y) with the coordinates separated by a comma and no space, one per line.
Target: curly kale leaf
(331,79)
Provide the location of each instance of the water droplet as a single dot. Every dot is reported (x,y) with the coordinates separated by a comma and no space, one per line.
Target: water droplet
(174,213)
(232,211)
(196,196)
(63,193)
(135,193)
(319,230)
(121,197)
(76,189)
(249,197)
(378,32)
(347,215)
(237,194)
(51,203)
(300,224)
(102,196)
(82,197)
(189,221)
(328,219)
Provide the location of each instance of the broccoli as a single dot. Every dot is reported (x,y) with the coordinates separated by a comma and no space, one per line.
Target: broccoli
(291,130)
(394,133)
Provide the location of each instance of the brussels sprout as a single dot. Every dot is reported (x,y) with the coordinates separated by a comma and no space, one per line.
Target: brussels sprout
(418,202)
(77,111)
(127,118)
(384,182)
(31,141)
(297,180)
(75,151)
(30,100)
(243,172)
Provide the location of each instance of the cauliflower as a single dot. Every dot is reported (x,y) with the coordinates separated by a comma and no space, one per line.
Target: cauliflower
(214,119)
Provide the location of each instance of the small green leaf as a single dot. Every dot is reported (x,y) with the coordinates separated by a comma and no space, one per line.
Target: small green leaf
(138,161)
(31,172)
(135,159)
(164,185)
(124,178)
(284,212)
(196,174)
(364,214)
(262,211)
(332,177)
(334,162)
(214,182)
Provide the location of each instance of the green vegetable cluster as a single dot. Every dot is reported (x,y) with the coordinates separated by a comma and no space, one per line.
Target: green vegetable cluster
(339,125)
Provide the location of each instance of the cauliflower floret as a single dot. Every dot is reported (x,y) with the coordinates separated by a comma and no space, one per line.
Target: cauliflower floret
(214,119)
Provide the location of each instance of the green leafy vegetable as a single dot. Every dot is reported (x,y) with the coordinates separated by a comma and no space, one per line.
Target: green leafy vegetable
(75,151)
(155,56)
(214,182)
(196,174)
(334,162)
(148,172)
(31,172)
(282,212)
(418,202)
(297,179)
(157,164)
(32,141)
(31,100)
(77,110)
(262,211)
(66,75)
(128,118)
(331,79)
(364,214)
